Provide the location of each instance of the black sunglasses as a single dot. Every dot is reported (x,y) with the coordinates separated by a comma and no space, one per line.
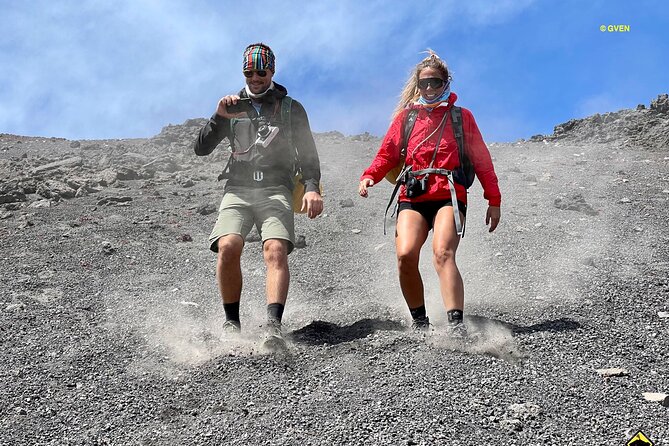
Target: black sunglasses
(249,73)
(435,82)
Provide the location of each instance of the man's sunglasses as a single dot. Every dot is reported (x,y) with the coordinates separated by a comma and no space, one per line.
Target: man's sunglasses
(249,73)
(434,82)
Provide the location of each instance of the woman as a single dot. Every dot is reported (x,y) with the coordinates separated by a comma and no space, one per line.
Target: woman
(432,145)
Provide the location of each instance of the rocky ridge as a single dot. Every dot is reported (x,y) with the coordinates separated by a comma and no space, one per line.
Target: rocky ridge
(644,127)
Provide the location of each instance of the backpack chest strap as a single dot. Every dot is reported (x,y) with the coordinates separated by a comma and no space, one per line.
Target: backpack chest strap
(434,170)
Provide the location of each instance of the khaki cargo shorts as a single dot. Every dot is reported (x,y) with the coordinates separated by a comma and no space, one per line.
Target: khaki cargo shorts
(269,208)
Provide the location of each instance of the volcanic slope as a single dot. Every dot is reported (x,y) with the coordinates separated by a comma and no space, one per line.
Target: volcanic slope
(110,319)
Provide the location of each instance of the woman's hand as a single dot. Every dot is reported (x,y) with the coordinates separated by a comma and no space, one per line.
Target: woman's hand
(364,184)
(492,217)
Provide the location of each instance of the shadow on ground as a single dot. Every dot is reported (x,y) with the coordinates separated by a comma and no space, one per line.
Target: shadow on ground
(556,325)
(321,332)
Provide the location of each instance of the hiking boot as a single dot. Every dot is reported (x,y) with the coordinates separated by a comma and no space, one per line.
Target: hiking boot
(457,330)
(232,327)
(421,325)
(274,341)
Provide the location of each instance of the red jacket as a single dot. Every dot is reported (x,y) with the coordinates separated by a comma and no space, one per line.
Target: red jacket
(447,156)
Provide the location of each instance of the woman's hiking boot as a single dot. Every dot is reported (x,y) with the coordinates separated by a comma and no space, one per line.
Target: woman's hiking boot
(457,330)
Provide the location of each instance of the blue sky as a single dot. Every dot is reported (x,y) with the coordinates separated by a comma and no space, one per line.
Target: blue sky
(102,69)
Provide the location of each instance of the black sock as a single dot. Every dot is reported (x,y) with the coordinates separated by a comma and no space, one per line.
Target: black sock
(275,312)
(454,316)
(418,313)
(231,311)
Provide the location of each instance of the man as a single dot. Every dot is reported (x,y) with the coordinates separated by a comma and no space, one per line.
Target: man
(266,140)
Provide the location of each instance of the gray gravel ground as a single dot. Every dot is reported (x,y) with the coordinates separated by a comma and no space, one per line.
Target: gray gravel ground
(110,321)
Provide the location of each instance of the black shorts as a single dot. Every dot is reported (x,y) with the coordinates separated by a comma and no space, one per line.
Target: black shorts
(429,209)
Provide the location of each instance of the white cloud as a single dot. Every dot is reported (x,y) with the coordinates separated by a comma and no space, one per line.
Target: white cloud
(96,69)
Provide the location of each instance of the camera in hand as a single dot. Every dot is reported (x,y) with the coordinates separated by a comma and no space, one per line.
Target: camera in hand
(266,133)
(243,105)
(415,187)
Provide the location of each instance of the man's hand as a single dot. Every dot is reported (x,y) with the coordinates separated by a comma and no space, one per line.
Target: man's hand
(222,109)
(313,203)
(492,217)
(364,184)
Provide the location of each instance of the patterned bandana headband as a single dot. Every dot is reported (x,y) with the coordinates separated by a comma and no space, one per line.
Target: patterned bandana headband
(258,56)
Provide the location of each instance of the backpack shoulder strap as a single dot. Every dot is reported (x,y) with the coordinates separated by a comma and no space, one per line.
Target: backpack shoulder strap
(409,121)
(286,104)
(456,121)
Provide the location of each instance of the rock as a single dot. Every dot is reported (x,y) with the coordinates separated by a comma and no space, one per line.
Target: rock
(15,306)
(661,104)
(614,371)
(525,411)
(55,190)
(75,144)
(300,242)
(356,231)
(185,238)
(186,182)
(26,222)
(663,314)
(66,163)
(511,425)
(207,209)
(40,204)
(661,398)
(347,203)
(575,203)
(106,177)
(12,197)
(113,200)
(107,248)
(126,173)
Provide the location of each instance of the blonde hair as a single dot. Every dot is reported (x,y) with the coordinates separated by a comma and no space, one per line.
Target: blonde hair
(410,92)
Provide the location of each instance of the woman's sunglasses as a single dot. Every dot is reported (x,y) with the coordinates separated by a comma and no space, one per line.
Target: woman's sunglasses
(249,73)
(434,82)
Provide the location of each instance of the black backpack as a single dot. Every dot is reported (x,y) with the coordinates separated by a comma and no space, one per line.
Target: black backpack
(464,174)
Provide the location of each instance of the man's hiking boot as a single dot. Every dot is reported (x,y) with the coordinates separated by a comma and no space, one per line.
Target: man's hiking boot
(421,325)
(232,327)
(274,341)
(457,330)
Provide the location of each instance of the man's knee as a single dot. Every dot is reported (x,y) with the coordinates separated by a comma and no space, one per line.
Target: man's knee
(275,251)
(230,248)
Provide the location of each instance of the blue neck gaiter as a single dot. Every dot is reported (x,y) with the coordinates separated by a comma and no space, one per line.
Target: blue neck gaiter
(444,96)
